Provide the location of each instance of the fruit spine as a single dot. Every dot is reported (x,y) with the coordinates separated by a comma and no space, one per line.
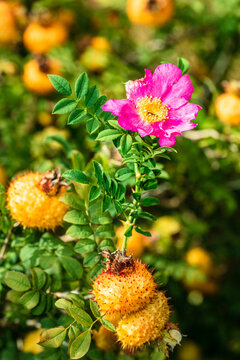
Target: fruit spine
(127,288)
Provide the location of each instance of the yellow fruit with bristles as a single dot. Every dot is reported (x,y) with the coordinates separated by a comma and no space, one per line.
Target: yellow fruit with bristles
(141,327)
(30,342)
(33,200)
(124,292)
(200,258)
(104,339)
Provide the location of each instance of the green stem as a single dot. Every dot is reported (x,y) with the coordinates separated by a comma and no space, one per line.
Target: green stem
(130,219)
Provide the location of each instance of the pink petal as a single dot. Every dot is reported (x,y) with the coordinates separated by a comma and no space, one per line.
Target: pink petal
(186,112)
(139,88)
(130,120)
(165,140)
(115,106)
(164,77)
(180,93)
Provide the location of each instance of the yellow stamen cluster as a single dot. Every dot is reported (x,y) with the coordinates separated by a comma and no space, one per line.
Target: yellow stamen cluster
(151,109)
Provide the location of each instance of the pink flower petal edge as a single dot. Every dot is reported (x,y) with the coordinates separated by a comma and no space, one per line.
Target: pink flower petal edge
(157,104)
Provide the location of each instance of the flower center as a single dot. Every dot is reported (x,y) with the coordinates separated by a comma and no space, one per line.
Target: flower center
(152,109)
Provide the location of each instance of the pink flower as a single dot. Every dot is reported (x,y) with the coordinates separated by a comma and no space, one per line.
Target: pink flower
(157,104)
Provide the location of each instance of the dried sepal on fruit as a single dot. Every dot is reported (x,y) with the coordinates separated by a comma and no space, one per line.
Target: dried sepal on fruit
(146,325)
(33,200)
(124,286)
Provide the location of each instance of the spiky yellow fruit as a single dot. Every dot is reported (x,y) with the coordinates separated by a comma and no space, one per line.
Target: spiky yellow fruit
(104,339)
(141,327)
(33,200)
(30,342)
(125,291)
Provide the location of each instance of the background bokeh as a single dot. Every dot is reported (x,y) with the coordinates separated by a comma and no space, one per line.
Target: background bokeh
(200,191)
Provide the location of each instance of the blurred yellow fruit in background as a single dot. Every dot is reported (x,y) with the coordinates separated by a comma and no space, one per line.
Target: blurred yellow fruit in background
(30,342)
(200,258)
(101,43)
(104,339)
(3,176)
(44,118)
(8,29)
(189,351)
(150,12)
(39,38)
(166,226)
(227,108)
(94,60)
(35,75)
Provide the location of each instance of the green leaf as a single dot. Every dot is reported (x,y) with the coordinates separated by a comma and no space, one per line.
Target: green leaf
(39,309)
(101,219)
(98,105)
(81,86)
(146,215)
(150,184)
(17,281)
(183,64)
(72,267)
(79,231)
(91,96)
(91,259)
(60,84)
(149,201)
(108,135)
(76,217)
(77,176)
(124,174)
(52,338)
(76,300)
(76,116)
(94,193)
(63,304)
(38,278)
(106,203)
(115,125)
(98,172)
(81,316)
(67,148)
(95,309)
(73,332)
(105,231)
(126,143)
(106,244)
(13,296)
(72,200)
(30,299)
(64,106)
(128,232)
(108,325)
(80,345)
(92,125)
(143,232)
(85,246)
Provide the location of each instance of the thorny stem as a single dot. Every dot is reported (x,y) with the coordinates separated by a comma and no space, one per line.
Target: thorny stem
(6,241)
(130,219)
